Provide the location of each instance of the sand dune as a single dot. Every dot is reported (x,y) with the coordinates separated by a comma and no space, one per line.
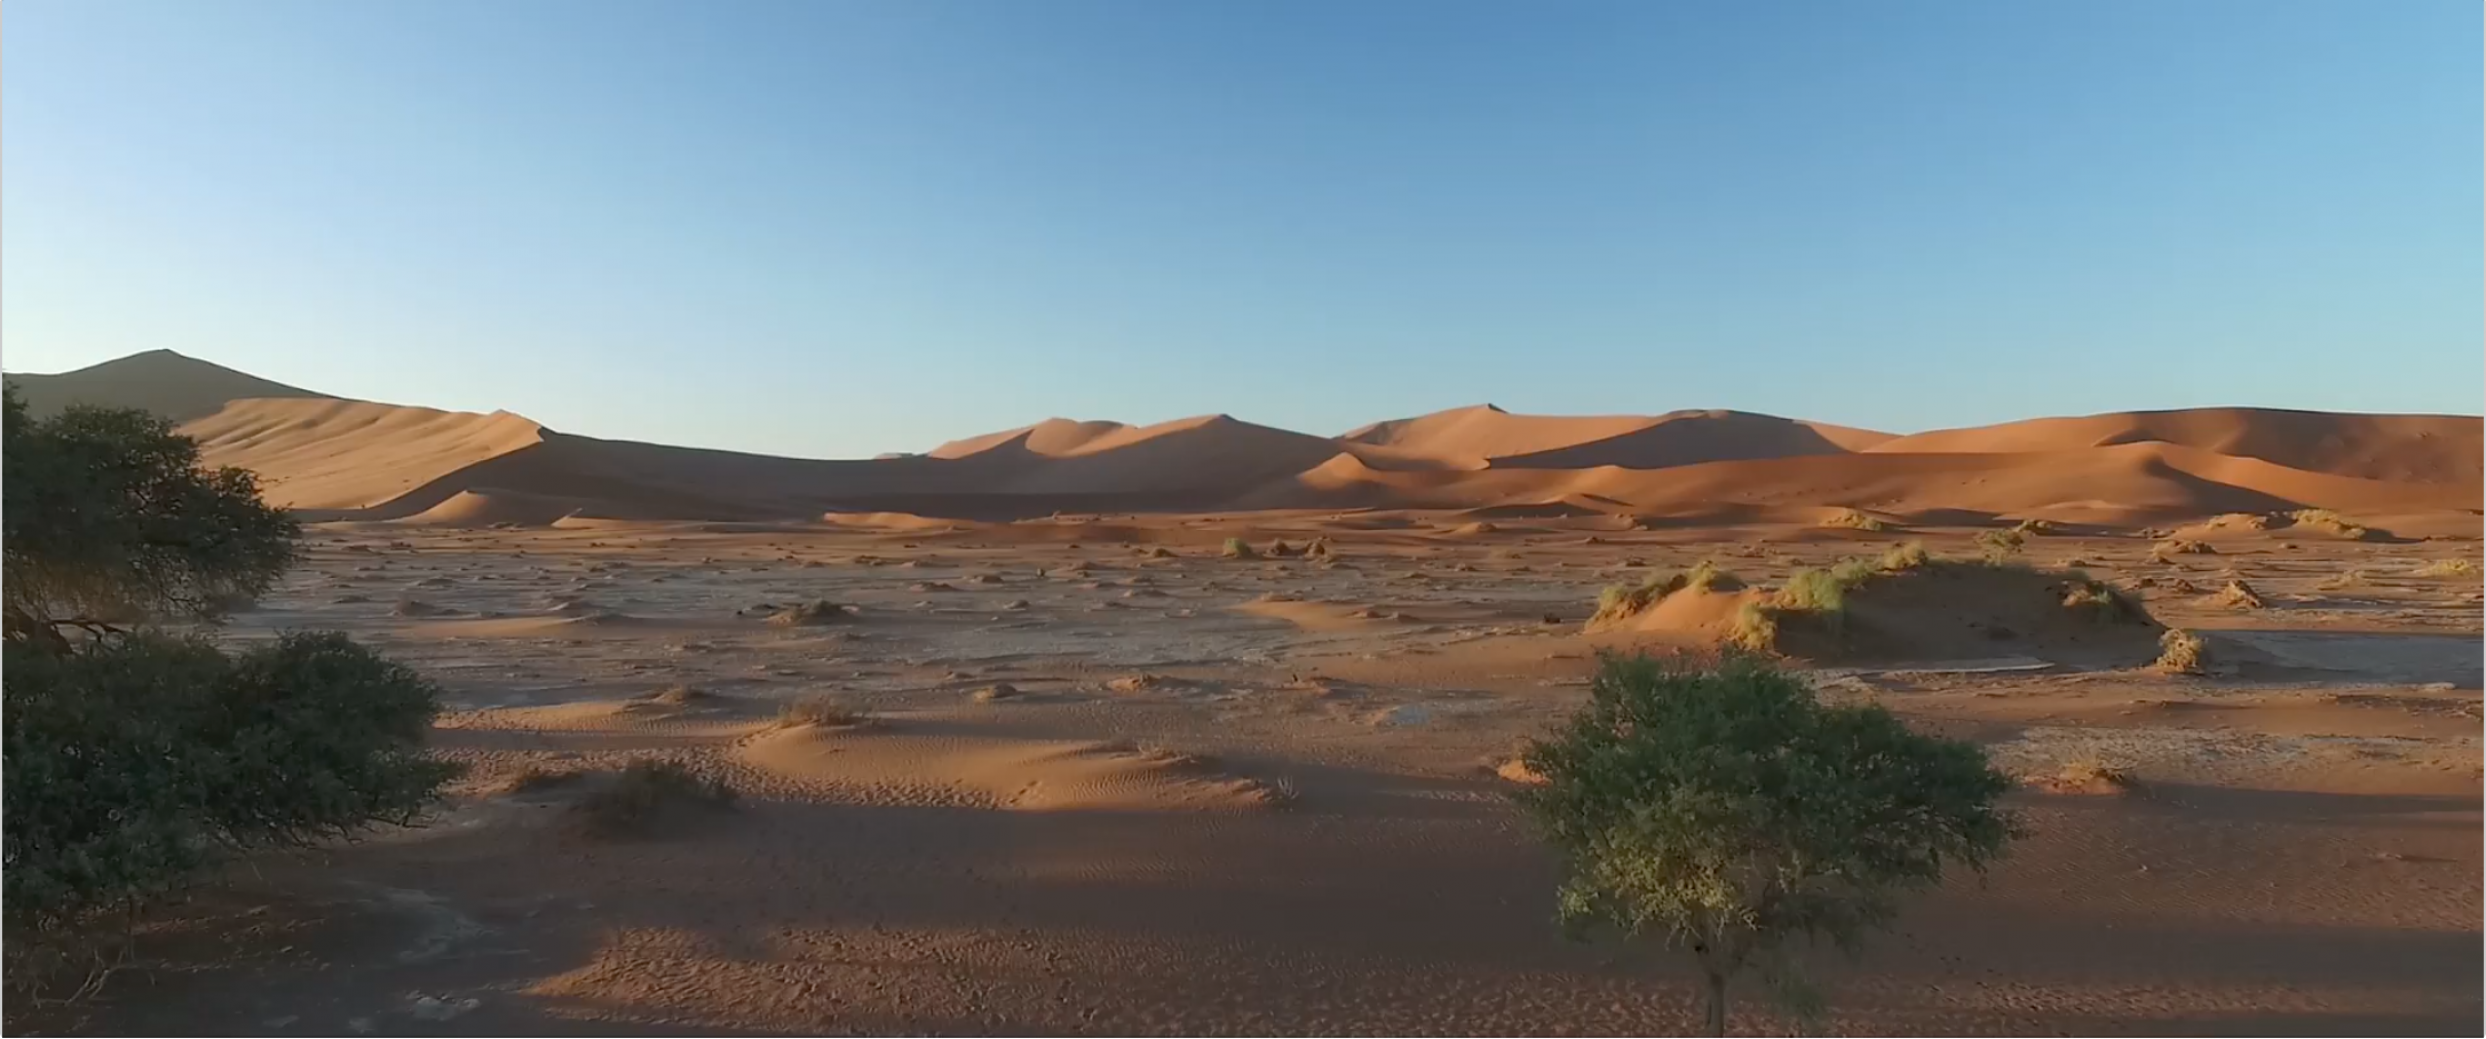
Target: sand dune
(339,459)
(937,763)
(177,387)
(2418,448)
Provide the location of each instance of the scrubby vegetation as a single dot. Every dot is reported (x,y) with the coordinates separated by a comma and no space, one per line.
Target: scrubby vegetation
(2182,652)
(1999,546)
(808,614)
(138,754)
(2330,523)
(2239,595)
(2163,550)
(1237,548)
(1903,557)
(2447,568)
(1723,810)
(2100,602)
(645,792)
(2035,527)
(1852,519)
(821,709)
(1622,601)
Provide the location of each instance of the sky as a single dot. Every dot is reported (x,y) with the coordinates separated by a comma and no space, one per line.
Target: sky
(838,228)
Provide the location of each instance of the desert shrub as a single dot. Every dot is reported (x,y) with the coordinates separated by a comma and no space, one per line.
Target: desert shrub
(1998,546)
(136,757)
(1279,549)
(2033,526)
(1853,519)
(134,760)
(1237,548)
(1619,601)
(820,709)
(644,791)
(2348,578)
(1707,576)
(2100,602)
(2331,523)
(1318,549)
(1755,629)
(2179,547)
(1904,557)
(808,614)
(2239,595)
(1723,810)
(1813,590)
(2182,651)
(2447,568)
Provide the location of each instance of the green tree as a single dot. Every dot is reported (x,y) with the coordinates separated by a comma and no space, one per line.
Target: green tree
(1721,809)
(109,520)
(134,755)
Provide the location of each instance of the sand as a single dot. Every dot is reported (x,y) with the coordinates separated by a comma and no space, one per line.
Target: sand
(1269,795)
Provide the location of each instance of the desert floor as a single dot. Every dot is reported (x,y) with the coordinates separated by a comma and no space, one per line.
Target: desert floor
(1257,796)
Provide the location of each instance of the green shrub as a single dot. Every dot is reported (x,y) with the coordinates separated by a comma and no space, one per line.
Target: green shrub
(1237,548)
(1725,811)
(134,760)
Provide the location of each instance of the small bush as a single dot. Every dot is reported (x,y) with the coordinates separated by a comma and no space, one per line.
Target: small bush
(1755,630)
(1852,519)
(2180,547)
(1706,576)
(2100,602)
(1904,557)
(1237,548)
(1279,549)
(2331,523)
(1998,546)
(2035,527)
(1813,590)
(644,792)
(821,710)
(2182,652)
(2447,568)
(2239,595)
(2344,579)
(815,612)
(1318,549)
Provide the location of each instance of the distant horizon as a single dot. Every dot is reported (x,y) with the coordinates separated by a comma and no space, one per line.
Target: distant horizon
(1348,431)
(821,230)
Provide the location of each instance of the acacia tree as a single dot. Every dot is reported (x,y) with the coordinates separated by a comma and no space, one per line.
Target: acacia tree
(110,519)
(1721,809)
(135,752)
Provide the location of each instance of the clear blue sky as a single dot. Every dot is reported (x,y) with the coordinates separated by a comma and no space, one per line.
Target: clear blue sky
(837,228)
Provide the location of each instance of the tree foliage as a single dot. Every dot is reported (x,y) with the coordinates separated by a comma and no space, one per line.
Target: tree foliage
(109,520)
(1721,809)
(135,754)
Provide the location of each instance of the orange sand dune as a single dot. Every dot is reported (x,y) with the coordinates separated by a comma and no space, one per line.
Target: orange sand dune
(339,459)
(1484,432)
(2422,448)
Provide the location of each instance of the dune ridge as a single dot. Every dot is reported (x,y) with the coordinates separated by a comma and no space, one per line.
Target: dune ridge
(336,459)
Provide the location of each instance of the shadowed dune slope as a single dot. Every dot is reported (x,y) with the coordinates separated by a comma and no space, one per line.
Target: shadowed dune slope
(2419,448)
(1487,433)
(169,384)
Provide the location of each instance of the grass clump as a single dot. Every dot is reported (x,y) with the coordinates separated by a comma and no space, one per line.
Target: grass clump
(2035,527)
(2180,547)
(2098,601)
(1904,557)
(2330,523)
(1755,630)
(1998,546)
(1237,548)
(1853,519)
(2182,652)
(2344,579)
(2239,595)
(647,790)
(1707,576)
(807,614)
(2447,568)
(821,710)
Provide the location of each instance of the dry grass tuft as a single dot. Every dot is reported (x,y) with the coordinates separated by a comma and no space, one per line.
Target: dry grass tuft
(2330,523)
(644,792)
(2239,595)
(2447,568)
(2182,652)
(1904,557)
(1236,548)
(1852,519)
(2100,602)
(807,614)
(822,710)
